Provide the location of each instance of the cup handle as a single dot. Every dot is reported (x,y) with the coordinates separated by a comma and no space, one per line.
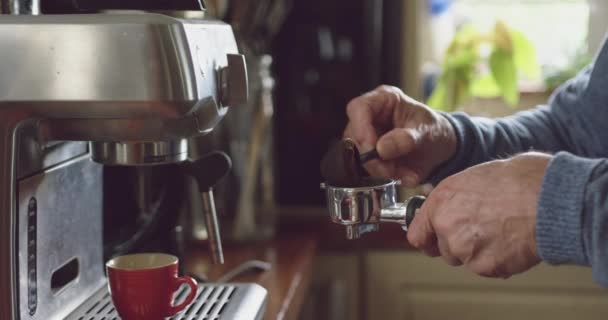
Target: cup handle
(193,288)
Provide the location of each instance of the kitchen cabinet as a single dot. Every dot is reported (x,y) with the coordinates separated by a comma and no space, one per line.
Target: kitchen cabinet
(409,285)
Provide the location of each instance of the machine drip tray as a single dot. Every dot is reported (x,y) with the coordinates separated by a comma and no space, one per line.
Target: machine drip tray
(213,302)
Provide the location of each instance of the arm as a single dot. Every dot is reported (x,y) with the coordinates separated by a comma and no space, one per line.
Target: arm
(558,126)
(570,206)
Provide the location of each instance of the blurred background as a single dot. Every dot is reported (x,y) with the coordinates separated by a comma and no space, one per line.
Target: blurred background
(328,52)
(307,59)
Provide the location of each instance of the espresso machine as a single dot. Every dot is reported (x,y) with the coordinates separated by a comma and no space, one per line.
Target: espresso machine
(85,101)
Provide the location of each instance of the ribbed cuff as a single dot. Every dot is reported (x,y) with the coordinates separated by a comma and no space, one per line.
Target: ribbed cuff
(559,235)
(460,158)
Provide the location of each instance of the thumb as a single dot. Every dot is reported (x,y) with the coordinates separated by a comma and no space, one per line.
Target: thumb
(421,234)
(396,143)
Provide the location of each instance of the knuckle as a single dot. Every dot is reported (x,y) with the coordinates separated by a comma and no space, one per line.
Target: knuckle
(477,267)
(352,106)
(434,209)
(444,192)
(417,242)
(437,200)
(442,225)
(386,88)
(492,272)
(413,238)
(390,90)
(462,250)
(486,268)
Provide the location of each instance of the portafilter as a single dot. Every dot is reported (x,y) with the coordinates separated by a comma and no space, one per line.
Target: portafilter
(358,201)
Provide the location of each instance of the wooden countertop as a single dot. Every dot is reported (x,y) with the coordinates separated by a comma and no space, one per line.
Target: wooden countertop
(291,256)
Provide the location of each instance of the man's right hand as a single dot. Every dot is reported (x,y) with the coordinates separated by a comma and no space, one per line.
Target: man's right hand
(412,140)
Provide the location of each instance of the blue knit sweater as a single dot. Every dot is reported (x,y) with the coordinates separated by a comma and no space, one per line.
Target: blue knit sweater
(572,221)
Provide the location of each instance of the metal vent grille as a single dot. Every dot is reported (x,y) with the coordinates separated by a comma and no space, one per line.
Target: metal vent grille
(209,303)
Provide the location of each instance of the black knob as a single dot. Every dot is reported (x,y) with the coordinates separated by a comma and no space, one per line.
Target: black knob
(413,204)
(209,169)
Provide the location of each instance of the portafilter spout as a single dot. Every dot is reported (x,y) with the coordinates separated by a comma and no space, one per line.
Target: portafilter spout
(207,171)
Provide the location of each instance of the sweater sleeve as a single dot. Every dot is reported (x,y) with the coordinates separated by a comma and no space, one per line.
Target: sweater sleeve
(595,223)
(574,120)
(547,128)
(572,220)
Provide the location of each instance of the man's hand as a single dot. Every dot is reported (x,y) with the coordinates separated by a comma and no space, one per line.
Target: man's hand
(411,139)
(484,217)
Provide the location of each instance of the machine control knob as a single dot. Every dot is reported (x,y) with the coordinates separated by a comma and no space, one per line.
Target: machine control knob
(233,84)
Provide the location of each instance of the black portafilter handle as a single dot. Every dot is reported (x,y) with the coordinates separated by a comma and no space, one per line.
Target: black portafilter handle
(367,156)
(207,171)
(413,204)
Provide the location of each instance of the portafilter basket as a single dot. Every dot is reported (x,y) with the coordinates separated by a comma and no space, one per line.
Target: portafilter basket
(361,209)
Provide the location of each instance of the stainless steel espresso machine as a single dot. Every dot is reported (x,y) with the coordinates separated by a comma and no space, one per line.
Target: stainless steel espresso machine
(82,95)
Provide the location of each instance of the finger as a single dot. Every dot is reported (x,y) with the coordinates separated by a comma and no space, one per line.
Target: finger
(397,143)
(434,208)
(446,253)
(485,265)
(366,140)
(463,243)
(421,234)
(432,249)
(377,105)
(350,131)
(362,133)
(374,167)
(370,110)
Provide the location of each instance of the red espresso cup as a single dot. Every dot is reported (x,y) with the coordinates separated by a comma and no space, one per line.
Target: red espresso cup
(142,286)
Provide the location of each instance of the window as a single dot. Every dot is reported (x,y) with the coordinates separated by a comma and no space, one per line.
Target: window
(558,28)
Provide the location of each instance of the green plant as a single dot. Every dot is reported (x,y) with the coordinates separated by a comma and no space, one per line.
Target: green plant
(484,65)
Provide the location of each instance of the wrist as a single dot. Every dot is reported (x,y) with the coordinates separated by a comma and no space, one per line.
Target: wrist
(453,144)
(449,137)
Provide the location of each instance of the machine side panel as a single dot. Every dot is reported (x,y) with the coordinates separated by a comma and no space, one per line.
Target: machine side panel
(60,259)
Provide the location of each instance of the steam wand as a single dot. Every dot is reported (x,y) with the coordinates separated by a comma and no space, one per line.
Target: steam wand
(207,171)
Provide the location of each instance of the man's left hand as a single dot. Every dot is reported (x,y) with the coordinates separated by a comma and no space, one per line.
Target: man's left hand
(484,217)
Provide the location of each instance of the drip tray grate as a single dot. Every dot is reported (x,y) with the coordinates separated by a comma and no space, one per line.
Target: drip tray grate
(211,302)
